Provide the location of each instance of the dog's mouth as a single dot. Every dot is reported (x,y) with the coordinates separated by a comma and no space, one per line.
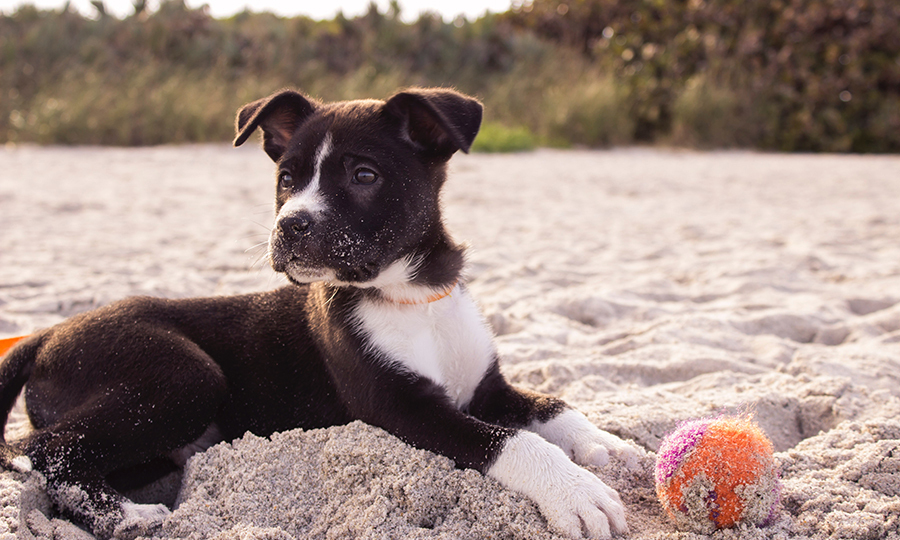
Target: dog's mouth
(301,274)
(338,257)
(301,270)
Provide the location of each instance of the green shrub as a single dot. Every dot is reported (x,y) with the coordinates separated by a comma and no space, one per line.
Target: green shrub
(590,113)
(707,115)
(807,75)
(494,137)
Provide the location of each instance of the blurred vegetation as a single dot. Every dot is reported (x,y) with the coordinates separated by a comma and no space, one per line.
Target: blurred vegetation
(792,75)
(494,137)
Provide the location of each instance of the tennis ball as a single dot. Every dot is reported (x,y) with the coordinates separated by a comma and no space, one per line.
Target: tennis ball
(717,472)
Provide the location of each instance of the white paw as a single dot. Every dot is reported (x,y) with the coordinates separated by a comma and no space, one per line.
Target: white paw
(584,442)
(574,501)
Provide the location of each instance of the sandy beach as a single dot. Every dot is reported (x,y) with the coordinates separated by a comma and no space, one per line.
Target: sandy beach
(645,287)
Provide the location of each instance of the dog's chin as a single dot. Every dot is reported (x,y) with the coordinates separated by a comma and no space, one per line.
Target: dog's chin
(308,275)
(297,271)
(360,276)
(364,276)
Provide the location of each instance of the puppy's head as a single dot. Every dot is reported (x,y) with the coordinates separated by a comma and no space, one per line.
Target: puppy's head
(358,184)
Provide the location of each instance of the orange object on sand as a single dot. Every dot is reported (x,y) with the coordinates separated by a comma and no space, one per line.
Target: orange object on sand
(715,473)
(7,343)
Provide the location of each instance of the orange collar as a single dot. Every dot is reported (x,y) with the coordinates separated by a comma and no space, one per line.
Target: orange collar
(428,299)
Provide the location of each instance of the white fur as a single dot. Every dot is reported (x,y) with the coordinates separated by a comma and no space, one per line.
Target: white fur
(446,341)
(310,199)
(144,512)
(21,464)
(140,519)
(584,442)
(397,273)
(211,436)
(302,274)
(574,501)
(395,284)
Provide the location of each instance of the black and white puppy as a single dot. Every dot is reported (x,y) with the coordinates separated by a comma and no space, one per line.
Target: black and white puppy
(376,326)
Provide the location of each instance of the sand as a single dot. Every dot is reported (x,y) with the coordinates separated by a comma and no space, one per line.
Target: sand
(645,287)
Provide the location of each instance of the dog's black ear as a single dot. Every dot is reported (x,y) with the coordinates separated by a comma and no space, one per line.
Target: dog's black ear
(438,120)
(278,115)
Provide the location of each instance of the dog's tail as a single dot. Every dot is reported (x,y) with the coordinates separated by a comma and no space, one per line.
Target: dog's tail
(15,369)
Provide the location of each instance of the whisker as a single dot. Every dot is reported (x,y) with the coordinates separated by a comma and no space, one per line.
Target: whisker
(273,277)
(331,298)
(259,260)
(255,246)
(266,227)
(255,236)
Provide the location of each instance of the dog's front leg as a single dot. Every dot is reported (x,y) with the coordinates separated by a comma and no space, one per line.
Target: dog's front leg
(496,401)
(394,374)
(572,499)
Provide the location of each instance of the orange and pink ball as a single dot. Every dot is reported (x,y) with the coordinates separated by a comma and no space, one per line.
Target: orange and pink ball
(716,473)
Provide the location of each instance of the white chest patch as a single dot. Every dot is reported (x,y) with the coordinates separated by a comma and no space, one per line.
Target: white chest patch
(446,341)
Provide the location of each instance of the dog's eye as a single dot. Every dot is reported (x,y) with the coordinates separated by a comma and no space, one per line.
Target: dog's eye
(365,177)
(285,180)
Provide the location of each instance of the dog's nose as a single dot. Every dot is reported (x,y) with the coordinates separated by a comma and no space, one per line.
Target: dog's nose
(296,225)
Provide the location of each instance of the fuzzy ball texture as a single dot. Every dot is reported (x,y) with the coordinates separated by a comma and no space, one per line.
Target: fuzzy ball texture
(714,473)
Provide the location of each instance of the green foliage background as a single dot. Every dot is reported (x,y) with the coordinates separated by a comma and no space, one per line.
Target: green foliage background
(792,75)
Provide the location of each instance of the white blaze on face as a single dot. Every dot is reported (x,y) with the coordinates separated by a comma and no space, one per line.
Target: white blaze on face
(310,200)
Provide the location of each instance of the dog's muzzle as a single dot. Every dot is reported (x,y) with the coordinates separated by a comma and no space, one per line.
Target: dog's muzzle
(295,226)
(290,242)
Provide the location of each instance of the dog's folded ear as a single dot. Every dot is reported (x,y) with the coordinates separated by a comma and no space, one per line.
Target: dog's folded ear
(438,120)
(278,116)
